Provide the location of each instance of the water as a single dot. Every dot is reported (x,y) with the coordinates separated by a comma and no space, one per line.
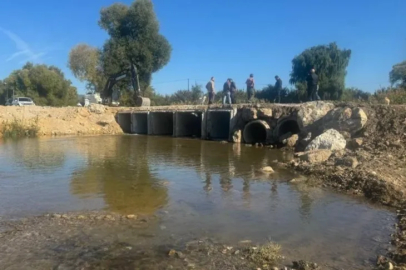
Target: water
(197,188)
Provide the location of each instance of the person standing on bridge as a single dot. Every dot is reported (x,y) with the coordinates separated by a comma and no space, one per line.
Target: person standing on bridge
(233,91)
(250,87)
(312,85)
(227,92)
(211,90)
(278,88)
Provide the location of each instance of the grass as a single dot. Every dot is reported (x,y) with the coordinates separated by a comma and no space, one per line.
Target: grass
(17,129)
(268,254)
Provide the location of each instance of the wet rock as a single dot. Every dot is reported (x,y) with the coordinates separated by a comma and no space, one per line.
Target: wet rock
(316,156)
(330,139)
(345,119)
(249,114)
(171,253)
(291,141)
(180,255)
(347,161)
(245,242)
(267,169)
(237,135)
(109,217)
(303,265)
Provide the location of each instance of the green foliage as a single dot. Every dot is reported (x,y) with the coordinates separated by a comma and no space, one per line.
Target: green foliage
(330,64)
(84,62)
(398,74)
(46,85)
(395,95)
(355,94)
(17,129)
(134,37)
(268,254)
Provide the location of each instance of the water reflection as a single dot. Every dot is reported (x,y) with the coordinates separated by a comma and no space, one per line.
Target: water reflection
(205,189)
(35,154)
(121,173)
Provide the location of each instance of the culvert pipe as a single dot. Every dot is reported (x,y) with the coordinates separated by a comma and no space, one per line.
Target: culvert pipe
(257,131)
(287,126)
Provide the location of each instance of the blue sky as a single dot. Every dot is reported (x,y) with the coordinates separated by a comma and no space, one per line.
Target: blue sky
(221,38)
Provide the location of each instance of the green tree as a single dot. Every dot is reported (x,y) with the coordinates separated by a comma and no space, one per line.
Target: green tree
(355,94)
(134,38)
(84,62)
(398,74)
(46,85)
(330,64)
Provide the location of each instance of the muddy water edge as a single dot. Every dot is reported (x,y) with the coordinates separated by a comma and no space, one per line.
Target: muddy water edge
(124,202)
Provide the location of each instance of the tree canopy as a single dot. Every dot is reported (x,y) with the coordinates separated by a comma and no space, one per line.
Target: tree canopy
(46,85)
(134,38)
(84,62)
(398,74)
(330,64)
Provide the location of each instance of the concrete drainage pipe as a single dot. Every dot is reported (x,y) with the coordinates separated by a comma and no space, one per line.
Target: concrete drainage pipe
(257,131)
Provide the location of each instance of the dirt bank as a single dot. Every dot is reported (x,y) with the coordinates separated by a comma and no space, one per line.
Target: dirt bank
(96,119)
(373,165)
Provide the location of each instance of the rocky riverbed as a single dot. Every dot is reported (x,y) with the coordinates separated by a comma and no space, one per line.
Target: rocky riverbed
(95,240)
(362,155)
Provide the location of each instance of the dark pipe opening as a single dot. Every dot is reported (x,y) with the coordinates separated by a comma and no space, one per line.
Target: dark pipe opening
(139,123)
(124,121)
(288,126)
(162,123)
(219,125)
(189,124)
(255,132)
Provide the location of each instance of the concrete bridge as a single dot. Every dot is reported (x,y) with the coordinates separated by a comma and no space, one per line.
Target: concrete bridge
(247,123)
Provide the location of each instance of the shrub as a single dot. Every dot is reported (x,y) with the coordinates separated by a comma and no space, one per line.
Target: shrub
(16,129)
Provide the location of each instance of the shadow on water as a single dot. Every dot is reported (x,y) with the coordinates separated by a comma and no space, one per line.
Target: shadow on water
(197,188)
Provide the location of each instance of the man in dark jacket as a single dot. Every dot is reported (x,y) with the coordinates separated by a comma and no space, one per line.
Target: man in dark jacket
(278,88)
(233,91)
(312,83)
(227,92)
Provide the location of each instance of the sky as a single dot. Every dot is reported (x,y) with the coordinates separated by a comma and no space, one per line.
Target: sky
(220,38)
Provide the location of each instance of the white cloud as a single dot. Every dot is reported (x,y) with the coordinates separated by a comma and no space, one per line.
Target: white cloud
(23,48)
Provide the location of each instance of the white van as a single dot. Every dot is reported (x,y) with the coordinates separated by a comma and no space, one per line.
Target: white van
(20,101)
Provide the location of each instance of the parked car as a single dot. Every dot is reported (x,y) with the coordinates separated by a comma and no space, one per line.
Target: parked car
(22,101)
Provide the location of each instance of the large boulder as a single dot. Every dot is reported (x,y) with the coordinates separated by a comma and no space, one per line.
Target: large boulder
(315,156)
(249,114)
(345,120)
(330,139)
(264,112)
(310,112)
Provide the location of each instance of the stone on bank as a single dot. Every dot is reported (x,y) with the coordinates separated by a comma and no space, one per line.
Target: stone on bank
(330,139)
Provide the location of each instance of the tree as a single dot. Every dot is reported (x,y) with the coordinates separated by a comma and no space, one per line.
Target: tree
(84,62)
(134,38)
(355,94)
(398,74)
(46,85)
(330,64)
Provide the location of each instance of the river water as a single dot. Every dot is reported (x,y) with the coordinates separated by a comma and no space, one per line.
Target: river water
(197,189)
